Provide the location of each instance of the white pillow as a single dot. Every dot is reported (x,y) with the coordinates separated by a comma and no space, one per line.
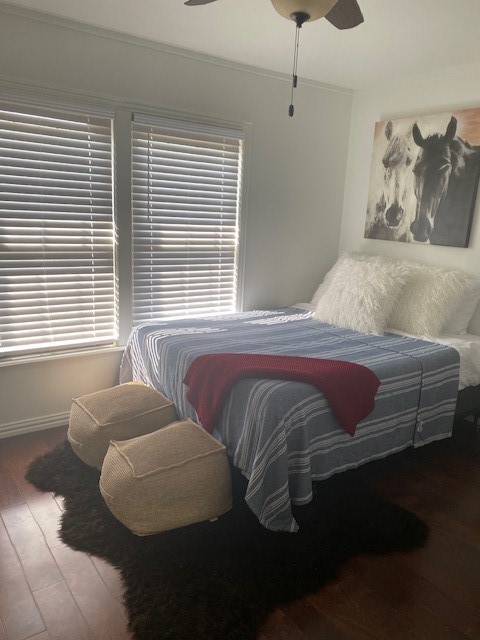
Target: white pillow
(318,293)
(429,299)
(460,319)
(323,285)
(360,292)
(363,257)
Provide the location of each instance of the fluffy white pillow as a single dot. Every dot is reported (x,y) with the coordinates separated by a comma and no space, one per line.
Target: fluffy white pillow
(322,287)
(429,299)
(460,318)
(317,295)
(360,291)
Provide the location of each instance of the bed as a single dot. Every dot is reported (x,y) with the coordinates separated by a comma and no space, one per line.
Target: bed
(283,434)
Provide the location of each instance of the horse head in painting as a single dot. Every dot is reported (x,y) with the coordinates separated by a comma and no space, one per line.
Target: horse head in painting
(391,204)
(397,158)
(445,170)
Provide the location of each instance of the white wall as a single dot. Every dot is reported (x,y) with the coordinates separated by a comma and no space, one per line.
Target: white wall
(296,169)
(37,395)
(432,94)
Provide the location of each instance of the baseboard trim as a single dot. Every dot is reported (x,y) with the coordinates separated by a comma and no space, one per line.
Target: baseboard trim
(33,424)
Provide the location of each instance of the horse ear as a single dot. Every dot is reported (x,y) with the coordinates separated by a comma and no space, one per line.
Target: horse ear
(388,130)
(451,129)
(417,136)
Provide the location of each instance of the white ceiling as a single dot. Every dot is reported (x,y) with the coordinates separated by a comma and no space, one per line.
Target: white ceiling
(399,38)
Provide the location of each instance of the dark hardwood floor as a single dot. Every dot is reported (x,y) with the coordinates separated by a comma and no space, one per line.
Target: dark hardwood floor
(49,592)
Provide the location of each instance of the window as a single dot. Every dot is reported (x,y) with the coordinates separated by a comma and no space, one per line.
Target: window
(57,286)
(73,274)
(186,182)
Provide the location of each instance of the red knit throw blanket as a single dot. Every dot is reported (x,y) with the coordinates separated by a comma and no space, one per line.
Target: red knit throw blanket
(349,388)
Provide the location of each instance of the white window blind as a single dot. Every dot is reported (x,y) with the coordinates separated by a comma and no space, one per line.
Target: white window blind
(186,182)
(57,285)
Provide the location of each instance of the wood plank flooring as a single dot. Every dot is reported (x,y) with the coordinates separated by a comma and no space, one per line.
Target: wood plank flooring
(47,590)
(50,592)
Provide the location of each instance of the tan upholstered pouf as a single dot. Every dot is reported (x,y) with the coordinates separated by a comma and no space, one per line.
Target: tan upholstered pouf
(119,413)
(167,479)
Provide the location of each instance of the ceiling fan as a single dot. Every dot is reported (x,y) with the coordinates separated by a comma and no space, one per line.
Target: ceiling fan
(343,14)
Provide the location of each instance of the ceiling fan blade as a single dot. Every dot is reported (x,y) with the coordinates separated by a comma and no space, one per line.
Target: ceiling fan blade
(194,3)
(345,14)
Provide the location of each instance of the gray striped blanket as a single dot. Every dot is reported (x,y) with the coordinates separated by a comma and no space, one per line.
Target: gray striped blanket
(282,434)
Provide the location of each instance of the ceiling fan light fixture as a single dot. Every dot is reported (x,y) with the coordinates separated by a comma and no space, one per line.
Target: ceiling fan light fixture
(342,14)
(316,9)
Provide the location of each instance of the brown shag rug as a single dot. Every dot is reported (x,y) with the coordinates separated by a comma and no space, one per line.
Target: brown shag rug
(218,581)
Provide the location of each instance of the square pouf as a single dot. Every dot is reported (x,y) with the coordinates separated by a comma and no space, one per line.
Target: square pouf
(118,413)
(171,478)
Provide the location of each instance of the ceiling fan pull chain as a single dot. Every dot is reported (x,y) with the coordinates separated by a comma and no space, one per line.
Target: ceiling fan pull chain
(291,108)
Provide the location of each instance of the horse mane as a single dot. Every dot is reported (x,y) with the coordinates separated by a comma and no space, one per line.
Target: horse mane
(467,144)
(461,151)
(433,138)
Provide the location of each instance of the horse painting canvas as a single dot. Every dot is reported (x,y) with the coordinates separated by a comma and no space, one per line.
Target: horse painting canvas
(424,179)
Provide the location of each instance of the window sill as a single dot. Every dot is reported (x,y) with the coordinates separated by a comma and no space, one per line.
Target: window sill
(9,361)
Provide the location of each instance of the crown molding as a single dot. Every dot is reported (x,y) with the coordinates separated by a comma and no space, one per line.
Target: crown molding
(421,79)
(101,32)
